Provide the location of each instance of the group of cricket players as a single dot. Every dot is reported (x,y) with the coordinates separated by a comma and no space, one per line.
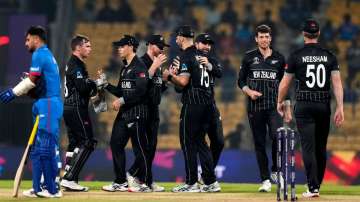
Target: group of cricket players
(264,77)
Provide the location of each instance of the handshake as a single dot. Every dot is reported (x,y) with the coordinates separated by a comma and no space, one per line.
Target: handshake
(99,101)
(101,81)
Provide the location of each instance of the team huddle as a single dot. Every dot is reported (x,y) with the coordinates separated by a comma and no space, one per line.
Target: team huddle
(264,76)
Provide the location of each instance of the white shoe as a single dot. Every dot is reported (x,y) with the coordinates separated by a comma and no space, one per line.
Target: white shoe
(274,179)
(116,187)
(72,186)
(265,186)
(29,193)
(214,187)
(45,194)
(186,188)
(140,188)
(131,180)
(59,194)
(157,188)
(313,194)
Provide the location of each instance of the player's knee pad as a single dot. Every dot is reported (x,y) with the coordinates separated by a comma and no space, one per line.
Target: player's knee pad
(78,159)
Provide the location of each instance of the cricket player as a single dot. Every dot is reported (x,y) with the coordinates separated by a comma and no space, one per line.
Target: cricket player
(130,122)
(314,68)
(203,44)
(259,77)
(43,84)
(196,111)
(153,59)
(78,90)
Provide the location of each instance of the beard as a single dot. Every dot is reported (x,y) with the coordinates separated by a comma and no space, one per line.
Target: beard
(31,49)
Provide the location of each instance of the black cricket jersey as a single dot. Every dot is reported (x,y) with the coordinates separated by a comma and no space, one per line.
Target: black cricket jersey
(156,85)
(215,72)
(132,87)
(78,88)
(198,90)
(312,66)
(262,75)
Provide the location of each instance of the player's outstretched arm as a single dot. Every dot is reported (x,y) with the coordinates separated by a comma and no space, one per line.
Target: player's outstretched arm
(20,89)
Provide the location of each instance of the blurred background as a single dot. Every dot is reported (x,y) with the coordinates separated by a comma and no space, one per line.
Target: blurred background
(230,22)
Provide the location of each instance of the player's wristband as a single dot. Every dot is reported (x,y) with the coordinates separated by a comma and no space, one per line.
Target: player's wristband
(169,77)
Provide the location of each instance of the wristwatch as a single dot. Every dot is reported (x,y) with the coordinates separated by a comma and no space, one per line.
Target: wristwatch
(169,77)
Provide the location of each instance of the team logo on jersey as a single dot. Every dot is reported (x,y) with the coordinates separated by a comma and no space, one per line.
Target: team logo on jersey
(184,67)
(274,61)
(128,71)
(129,125)
(79,75)
(34,69)
(256,61)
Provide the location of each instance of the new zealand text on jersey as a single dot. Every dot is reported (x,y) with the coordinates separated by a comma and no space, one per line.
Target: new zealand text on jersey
(264,75)
(126,84)
(307,59)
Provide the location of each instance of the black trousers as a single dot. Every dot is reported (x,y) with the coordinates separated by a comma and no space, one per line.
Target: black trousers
(262,123)
(313,123)
(121,133)
(79,129)
(78,125)
(215,133)
(152,127)
(193,122)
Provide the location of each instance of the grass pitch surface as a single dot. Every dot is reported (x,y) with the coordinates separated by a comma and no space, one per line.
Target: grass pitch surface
(230,192)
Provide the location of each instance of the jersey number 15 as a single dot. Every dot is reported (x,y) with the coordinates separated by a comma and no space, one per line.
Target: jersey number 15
(205,81)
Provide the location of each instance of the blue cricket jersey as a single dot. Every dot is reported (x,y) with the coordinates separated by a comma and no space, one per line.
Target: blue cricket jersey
(43,64)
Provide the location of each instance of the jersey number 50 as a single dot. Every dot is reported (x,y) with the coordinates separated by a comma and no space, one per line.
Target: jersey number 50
(315,75)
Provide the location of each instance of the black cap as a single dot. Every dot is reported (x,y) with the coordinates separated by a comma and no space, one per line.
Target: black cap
(185,31)
(204,38)
(311,26)
(127,40)
(157,40)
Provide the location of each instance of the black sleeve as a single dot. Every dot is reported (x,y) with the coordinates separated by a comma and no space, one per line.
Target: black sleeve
(334,66)
(84,85)
(243,73)
(141,77)
(291,64)
(115,90)
(216,68)
(282,67)
(281,74)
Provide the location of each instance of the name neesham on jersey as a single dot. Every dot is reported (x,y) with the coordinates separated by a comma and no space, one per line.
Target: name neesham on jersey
(308,59)
(264,75)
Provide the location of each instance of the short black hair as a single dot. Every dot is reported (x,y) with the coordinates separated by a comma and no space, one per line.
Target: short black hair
(37,31)
(78,40)
(262,29)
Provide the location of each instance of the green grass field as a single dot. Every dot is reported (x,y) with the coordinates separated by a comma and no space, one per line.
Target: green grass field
(230,192)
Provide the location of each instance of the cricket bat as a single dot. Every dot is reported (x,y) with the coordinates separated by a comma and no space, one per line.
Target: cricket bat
(23,161)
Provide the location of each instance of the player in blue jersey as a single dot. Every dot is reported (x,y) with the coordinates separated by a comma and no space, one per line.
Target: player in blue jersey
(42,84)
